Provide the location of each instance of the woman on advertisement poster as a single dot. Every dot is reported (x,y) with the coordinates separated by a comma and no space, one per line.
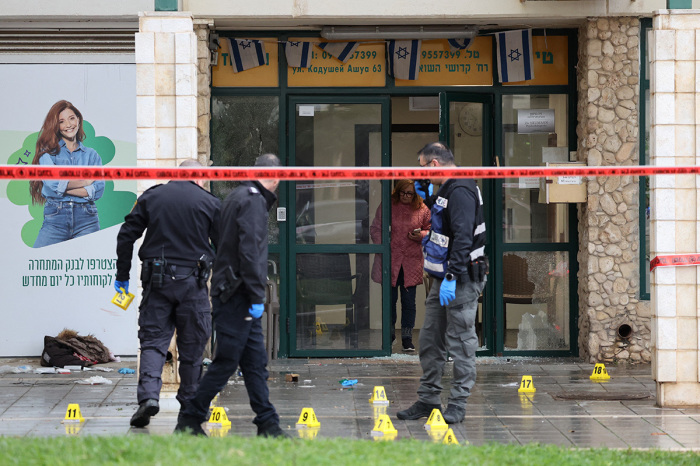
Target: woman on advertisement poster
(69,206)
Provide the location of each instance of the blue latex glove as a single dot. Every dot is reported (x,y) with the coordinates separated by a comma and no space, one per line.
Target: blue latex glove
(119,285)
(447,292)
(419,189)
(256,310)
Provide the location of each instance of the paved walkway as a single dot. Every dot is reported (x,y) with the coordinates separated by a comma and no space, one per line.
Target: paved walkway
(567,408)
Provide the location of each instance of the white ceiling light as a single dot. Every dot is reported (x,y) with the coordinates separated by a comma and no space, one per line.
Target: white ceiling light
(397,32)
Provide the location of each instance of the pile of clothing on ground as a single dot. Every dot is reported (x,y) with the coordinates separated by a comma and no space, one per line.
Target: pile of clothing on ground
(70,349)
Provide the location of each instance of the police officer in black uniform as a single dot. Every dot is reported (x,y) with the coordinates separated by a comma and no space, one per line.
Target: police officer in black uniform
(238,293)
(180,219)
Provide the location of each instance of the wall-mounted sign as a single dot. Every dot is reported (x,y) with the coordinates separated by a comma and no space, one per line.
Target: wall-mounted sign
(551,56)
(441,67)
(536,121)
(365,68)
(261,76)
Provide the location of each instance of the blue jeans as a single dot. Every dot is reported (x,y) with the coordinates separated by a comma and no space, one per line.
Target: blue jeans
(67,220)
(408,303)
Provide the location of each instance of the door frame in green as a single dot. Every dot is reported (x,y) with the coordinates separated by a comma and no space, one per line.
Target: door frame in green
(488,345)
(293,249)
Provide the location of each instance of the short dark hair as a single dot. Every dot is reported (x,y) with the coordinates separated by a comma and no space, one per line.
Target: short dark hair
(439,151)
(268,160)
(190,163)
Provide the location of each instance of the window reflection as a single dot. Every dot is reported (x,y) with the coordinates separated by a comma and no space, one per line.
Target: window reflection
(244,127)
(526,219)
(338,306)
(536,300)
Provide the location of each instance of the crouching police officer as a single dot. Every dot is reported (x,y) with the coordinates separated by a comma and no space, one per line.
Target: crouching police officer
(180,219)
(238,293)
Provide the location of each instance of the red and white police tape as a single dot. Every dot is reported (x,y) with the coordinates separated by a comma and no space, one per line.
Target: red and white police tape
(674,260)
(73,172)
(29,172)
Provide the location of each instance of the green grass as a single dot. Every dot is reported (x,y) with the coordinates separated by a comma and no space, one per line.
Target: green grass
(172,450)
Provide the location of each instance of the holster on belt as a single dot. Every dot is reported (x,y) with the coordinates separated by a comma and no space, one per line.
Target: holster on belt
(478,269)
(203,270)
(228,287)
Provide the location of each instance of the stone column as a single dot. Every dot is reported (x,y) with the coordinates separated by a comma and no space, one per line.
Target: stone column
(202,29)
(166,90)
(608,135)
(166,107)
(675,111)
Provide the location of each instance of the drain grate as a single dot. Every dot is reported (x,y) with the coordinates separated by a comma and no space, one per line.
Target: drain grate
(606,396)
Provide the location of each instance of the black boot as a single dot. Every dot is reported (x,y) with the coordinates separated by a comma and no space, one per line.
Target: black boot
(142,416)
(407,339)
(454,414)
(417,411)
(189,425)
(272,429)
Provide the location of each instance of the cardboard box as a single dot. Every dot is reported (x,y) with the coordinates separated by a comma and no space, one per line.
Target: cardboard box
(563,189)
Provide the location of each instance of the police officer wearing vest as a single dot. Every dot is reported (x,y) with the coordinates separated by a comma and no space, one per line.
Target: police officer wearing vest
(454,257)
(238,292)
(180,218)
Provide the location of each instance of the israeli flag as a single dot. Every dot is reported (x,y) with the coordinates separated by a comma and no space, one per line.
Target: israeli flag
(340,50)
(298,54)
(515,61)
(404,58)
(246,54)
(459,44)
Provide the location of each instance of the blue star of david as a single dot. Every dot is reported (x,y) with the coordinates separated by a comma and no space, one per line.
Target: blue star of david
(514,55)
(294,44)
(402,53)
(246,44)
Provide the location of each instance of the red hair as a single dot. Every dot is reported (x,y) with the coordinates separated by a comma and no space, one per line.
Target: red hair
(48,142)
(417,201)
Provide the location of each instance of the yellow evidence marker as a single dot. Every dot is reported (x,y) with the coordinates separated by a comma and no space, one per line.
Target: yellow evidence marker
(307,419)
(73,413)
(379,396)
(123,299)
(436,421)
(450,438)
(218,416)
(526,385)
(600,373)
(383,426)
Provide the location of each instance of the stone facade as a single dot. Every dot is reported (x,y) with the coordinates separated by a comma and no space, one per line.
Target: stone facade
(202,29)
(608,134)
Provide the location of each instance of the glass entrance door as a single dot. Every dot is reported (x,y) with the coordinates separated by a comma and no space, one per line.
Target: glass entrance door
(335,306)
(526,307)
(467,127)
(536,246)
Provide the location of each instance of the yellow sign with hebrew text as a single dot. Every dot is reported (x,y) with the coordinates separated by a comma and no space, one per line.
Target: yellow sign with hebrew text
(267,75)
(551,57)
(441,67)
(365,68)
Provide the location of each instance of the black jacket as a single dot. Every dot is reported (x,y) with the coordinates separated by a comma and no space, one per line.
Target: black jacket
(243,244)
(465,223)
(180,219)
